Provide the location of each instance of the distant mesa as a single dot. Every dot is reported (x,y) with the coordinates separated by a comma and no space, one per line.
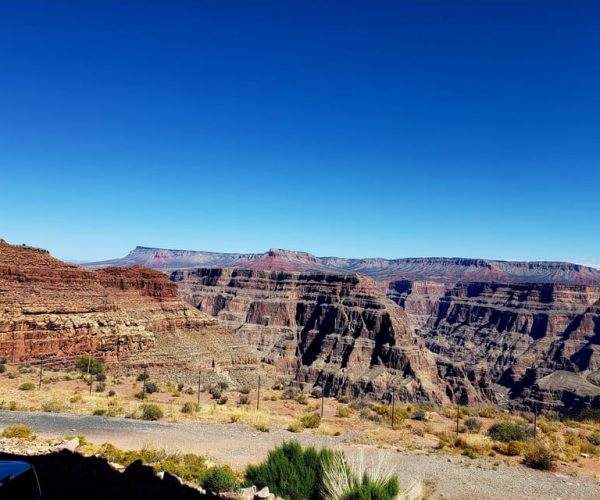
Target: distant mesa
(436,269)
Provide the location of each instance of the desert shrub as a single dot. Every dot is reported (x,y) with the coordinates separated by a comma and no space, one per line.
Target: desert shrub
(316,392)
(27,386)
(152,387)
(590,415)
(25,368)
(420,415)
(296,426)
(143,376)
(512,448)
(538,456)
(291,393)
(223,385)
(342,412)
(488,413)
(473,424)
(244,399)
(101,377)
(595,438)
(219,480)
(189,391)
(278,386)
(99,412)
(505,432)
(188,407)
(372,489)
(588,448)
(3,360)
(2,368)
(262,426)
(469,452)
(96,366)
(151,412)
(215,391)
(245,390)
(342,398)
(311,421)
(111,393)
(100,387)
(180,386)
(222,400)
(475,442)
(291,472)
(302,399)
(18,431)
(343,482)
(52,406)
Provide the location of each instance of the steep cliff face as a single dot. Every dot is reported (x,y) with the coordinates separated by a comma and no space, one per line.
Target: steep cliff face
(520,334)
(53,311)
(332,329)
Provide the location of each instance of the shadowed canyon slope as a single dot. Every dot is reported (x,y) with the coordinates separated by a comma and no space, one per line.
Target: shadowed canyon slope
(55,312)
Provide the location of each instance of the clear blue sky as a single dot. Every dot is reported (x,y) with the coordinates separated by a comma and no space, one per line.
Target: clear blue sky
(341,128)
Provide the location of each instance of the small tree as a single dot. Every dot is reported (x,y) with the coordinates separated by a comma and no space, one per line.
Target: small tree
(95,365)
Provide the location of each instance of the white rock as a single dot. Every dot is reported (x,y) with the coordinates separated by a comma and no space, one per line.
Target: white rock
(264,493)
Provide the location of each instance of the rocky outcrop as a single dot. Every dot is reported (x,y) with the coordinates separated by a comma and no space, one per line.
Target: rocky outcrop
(54,312)
(335,330)
(521,336)
(432,269)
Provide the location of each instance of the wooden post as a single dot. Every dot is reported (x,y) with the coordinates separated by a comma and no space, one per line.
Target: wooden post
(457,418)
(144,384)
(89,373)
(258,395)
(199,380)
(393,409)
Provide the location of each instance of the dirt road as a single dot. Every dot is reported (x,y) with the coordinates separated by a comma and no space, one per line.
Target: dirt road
(446,476)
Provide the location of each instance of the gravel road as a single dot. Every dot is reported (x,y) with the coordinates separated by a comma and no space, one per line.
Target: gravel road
(446,476)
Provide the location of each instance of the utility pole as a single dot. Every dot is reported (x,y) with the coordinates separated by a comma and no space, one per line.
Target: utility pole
(199,379)
(258,395)
(144,383)
(457,418)
(393,409)
(41,373)
(89,373)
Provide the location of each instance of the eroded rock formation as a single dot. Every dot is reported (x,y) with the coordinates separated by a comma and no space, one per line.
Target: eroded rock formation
(332,329)
(55,312)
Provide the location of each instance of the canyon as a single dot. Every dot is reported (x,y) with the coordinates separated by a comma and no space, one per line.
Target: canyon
(518,334)
(436,331)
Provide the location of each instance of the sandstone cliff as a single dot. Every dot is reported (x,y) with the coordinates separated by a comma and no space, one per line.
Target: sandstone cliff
(55,312)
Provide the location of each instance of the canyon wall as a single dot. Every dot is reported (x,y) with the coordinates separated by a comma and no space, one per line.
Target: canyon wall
(54,312)
(335,330)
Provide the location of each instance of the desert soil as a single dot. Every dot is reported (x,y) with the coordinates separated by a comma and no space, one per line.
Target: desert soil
(445,476)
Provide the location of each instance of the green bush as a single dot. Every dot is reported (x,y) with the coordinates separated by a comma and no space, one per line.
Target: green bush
(52,406)
(291,472)
(99,412)
(151,412)
(595,438)
(96,366)
(374,490)
(590,414)
(219,480)
(18,431)
(188,407)
(215,392)
(245,390)
(111,393)
(420,415)
(2,368)
(473,424)
(244,399)
(539,457)
(27,386)
(506,432)
(152,387)
(311,421)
